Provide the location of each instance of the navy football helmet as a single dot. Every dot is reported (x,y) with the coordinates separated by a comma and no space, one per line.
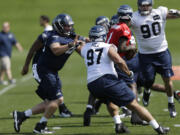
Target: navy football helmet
(97,33)
(63,24)
(145,6)
(125,13)
(114,19)
(103,21)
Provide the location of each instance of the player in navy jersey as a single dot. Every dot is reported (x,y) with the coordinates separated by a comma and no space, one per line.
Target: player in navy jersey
(34,53)
(59,46)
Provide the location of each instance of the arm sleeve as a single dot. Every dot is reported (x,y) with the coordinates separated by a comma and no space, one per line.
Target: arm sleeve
(51,40)
(14,41)
(163,11)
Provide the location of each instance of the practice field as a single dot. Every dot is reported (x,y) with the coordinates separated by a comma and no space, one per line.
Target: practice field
(24,18)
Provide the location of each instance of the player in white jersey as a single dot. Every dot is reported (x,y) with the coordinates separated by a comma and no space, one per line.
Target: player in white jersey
(148,25)
(103,82)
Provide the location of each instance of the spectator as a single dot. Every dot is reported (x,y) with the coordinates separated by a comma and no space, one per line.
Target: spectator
(7,39)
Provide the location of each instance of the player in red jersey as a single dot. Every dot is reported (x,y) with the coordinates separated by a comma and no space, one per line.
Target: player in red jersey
(121,36)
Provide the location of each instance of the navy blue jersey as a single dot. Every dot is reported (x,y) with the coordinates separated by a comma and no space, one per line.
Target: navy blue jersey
(48,59)
(43,38)
(6,42)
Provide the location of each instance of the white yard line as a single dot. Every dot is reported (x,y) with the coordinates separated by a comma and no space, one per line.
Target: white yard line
(23,79)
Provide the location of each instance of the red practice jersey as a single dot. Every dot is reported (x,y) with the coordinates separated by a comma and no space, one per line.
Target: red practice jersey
(116,32)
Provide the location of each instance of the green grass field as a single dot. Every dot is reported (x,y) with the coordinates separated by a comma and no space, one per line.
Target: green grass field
(24,18)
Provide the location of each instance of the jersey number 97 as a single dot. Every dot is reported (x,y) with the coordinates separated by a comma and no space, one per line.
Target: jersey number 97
(90,56)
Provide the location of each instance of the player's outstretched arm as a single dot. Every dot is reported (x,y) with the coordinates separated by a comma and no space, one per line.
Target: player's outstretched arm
(35,47)
(118,60)
(173,14)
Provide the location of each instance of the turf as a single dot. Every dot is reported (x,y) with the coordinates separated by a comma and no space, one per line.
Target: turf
(24,18)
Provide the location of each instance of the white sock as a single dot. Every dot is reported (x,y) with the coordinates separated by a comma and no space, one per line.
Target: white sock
(154,124)
(171,99)
(89,106)
(43,119)
(28,113)
(117,119)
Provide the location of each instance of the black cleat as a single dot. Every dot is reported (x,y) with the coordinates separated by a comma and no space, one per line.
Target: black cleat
(97,105)
(64,111)
(177,95)
(146,96)
(126,112)
(136,120)
(18,117)
(41,128)
(121,128)
(87,117)
(162,130)
(172,110)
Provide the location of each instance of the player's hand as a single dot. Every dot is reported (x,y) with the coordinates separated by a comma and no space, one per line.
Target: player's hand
(25,70)
(72,44)
(130,53)
(131,75)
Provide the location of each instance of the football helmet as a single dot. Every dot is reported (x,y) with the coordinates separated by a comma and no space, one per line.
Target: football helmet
(114,19)
(97,33)
(125,13)
(63,24)
(145,7)
(103,21)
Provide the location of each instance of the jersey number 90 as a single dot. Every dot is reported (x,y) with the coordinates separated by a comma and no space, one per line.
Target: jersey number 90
(90,56)
(156,29)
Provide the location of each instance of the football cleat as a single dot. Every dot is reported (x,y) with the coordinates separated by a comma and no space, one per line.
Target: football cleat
(126,112)
(136,120)
(64,111)
(97,105)
(162,130)
(177,95)
(41,128)
(121,128)
(18,117)
(172,110)
(87,117)
(146,96)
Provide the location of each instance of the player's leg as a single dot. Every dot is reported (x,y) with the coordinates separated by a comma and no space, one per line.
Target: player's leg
(127,98)
(89,110)
(114,112)
(146,115)
(20,117)
(164,67)
(52,86)
(148,73)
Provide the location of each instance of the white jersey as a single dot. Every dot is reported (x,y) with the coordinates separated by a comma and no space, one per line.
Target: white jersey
(97,60)
(150,31)
(48,28)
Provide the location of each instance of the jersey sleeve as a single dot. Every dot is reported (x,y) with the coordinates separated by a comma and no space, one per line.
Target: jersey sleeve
(13,40)
(163,11)
(83,51)
(51,40)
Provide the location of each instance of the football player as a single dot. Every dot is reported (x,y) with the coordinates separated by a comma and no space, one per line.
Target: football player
(148,25)
(103,81)
(121,36)
(58,48)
